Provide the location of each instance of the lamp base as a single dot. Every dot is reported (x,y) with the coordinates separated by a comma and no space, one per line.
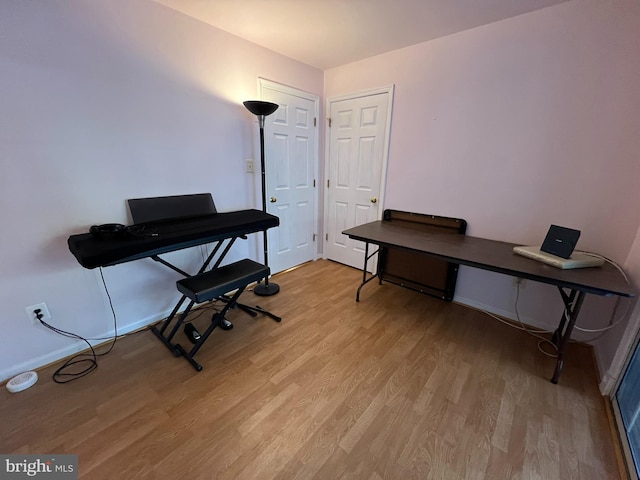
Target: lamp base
(266,290)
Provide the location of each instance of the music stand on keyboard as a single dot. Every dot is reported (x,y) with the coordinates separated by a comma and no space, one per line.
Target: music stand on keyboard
(153,209)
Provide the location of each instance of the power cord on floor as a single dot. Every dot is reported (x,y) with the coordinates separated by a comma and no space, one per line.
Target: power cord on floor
(612,322)
(88,361)
(545,341)
(534,332)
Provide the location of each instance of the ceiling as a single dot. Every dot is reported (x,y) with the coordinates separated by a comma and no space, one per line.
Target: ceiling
(329,33)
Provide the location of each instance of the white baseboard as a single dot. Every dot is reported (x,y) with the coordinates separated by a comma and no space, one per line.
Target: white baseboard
(74,347)
(529,321)
(607,384)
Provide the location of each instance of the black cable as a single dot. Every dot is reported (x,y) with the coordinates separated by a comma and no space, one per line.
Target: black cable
(59,376)
(75,360)
(92,360)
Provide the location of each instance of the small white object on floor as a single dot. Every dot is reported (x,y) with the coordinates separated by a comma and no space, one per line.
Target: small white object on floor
(22,382)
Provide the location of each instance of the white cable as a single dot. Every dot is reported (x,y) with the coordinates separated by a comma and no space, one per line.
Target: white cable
(608,260)
(541,339)
(612,323)
(533,332)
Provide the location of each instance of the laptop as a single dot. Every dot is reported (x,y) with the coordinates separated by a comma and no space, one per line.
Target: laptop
(557,250)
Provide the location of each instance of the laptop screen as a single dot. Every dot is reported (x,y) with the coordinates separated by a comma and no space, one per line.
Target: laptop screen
(153,209)
(560,241)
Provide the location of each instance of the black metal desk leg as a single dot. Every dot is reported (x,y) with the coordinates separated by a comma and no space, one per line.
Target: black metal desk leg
(366,280)
(562,338)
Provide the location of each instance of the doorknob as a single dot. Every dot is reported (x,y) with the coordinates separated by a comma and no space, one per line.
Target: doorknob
(273,199)
(374,199)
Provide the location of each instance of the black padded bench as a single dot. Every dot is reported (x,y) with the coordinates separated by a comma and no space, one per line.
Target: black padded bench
(215,283)
(211,285)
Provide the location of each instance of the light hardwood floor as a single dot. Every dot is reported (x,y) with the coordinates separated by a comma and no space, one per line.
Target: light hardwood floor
(400,385)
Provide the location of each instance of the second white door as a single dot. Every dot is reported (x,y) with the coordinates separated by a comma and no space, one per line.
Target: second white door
(358,148)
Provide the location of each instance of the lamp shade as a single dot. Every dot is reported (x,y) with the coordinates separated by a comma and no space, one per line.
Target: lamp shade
(258,107)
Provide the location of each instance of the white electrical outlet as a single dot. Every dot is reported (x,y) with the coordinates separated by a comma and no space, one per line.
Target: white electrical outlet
(43,310)
(250,166)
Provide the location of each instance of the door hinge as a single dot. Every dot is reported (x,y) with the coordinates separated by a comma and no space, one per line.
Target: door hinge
(329,122)
(314,183)
(326,237)
(314,237)
(315,124)
(327,183)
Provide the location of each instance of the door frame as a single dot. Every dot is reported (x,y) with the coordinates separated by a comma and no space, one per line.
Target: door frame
(619,425)
(388,89)
(264,84)
(613,378)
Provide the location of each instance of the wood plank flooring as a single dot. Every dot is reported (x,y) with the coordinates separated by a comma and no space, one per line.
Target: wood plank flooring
(398,386)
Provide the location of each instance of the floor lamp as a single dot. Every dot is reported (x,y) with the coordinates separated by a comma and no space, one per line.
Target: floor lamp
(261,110)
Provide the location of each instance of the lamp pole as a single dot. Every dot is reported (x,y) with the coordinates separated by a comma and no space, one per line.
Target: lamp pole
(261,110)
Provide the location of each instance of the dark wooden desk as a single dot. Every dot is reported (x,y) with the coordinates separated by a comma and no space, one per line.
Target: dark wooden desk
(498,256)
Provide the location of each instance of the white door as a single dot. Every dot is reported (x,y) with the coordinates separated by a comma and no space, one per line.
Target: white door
(358,148)
(291,157)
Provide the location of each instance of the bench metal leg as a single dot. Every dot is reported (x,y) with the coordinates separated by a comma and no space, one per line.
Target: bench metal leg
(216,320)
(252,310)
(160,333)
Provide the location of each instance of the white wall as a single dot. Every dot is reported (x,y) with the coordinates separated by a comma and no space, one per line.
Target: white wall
(512,126)
(517,125)
(103,101)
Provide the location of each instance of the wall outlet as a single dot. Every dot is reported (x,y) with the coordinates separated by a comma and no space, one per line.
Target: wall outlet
(250,166)
(44,311)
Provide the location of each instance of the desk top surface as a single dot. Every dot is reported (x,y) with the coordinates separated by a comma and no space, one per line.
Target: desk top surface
(491,255)
(146,240)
